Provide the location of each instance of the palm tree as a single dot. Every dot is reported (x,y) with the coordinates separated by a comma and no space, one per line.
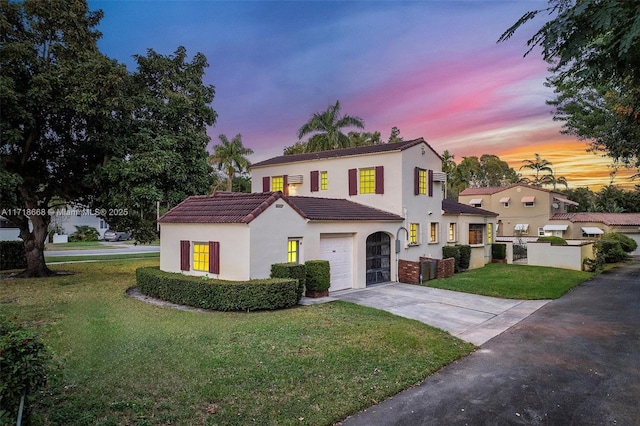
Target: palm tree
(538,165)
(327,127)
(230,156)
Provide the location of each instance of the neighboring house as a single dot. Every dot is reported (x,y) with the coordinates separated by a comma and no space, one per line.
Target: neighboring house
(8,231)
(468,225)
(523,210)
(593,225)
(362,209)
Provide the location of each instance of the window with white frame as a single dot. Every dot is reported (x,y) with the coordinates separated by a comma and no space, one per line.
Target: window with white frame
(414,233)
(452,232)
(433,232)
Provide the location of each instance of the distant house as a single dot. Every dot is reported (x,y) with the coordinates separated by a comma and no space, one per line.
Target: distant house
(591,225)
(523,210)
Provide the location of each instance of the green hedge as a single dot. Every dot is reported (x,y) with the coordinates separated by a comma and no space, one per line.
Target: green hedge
(219,295)
(452,251)
(555,241)
(465,256)
(318,275)
(610,250)
(24,365)
(12,255)
(291,270)
(498,251)
(627,243)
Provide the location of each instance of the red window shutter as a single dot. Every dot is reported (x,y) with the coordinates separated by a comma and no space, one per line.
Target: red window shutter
(266,184)
(185,254)
(430,183)
(353,182)
(285,184)
(315,181)
(214,257)
(416,181)
(380,180)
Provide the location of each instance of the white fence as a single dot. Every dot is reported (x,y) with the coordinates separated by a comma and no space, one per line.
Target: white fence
(568,257)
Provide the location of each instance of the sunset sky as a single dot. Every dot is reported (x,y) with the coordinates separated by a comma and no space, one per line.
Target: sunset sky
(431,68)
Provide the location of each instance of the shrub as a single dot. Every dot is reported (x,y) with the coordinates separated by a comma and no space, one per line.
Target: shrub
(555,241)
(452,251)
(84,233)
(12,255)
(498,251)
(465,257)
(610,250)
(291,270)
(318,275)
(627,243)
(219,295)
(24,365)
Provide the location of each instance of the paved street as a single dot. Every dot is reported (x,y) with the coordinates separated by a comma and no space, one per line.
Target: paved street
(575,361)
(110,248)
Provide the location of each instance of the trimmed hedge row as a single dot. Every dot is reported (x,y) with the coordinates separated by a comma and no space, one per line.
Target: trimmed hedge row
(498,251)
(12,255)
(291,270)
(318,275)
(219,295)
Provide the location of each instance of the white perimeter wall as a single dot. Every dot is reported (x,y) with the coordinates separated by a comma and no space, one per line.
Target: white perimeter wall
(566,257)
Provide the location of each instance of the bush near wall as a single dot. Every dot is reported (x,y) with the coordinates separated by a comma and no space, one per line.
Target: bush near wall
(24,365)
(318,275)
(555,241)
(12,255)
(454,252)
(498,251)
(291,270)
(219,295)
(627,243)
(465,257)
(610,250)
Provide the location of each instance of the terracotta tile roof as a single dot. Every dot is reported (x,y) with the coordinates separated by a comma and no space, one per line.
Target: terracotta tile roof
(611,219)
(229,207)
(314,208)
(345,152)
(220,207)
(495,189)
(453,207)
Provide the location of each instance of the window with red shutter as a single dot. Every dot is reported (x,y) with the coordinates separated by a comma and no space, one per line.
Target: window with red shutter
(285,184)
(380,180)
(430,183)
(315,181)
(353,181)
(214,257)
(416,181)
(185,255)
(266,184)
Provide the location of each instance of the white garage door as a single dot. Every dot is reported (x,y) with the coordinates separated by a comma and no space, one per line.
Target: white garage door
(339,252)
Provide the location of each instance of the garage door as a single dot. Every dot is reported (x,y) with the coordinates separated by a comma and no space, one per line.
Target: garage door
(339,252)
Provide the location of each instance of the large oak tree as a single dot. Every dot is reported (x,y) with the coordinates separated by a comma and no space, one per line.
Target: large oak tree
(78,127)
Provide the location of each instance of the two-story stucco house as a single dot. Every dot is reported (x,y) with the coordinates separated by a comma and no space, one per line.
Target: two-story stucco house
(523,210)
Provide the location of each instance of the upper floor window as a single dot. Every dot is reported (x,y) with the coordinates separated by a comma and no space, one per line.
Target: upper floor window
(367,181)
(277,183)
(505,202)
(476,202)
(324,181)
(528,201)
(475,233)
(413,233)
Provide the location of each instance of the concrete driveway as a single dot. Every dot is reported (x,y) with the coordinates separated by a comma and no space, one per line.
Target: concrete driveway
(469,317)
(576,362)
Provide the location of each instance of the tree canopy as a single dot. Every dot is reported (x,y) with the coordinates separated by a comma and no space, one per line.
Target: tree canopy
(593,47)
(231,157)
(78,127)
(326,129)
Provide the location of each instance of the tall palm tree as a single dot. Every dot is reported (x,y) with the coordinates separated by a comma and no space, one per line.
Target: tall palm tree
(539,165)
(327,126)
(230,156)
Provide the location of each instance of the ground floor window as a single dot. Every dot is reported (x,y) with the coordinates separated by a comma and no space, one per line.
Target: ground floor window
(475,234)
(489,233)
(201,257)
(413,233)
(452,232)
(433,232)
(293,251)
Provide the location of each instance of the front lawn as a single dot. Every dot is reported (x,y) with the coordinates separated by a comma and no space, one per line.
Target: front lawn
(128,362)
(514,281)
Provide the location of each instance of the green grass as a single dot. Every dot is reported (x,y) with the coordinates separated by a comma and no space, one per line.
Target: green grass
(101,257)
(514,281)
(129,362)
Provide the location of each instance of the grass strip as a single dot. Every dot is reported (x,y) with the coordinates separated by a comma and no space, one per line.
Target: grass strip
(52,260)
(514,281)
(128,362)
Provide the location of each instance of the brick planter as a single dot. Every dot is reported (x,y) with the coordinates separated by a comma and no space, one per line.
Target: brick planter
(315,294)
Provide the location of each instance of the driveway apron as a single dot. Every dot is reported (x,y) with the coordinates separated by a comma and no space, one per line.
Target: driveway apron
(575,361)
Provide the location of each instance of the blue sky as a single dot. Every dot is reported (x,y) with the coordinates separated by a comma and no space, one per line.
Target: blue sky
(431,68)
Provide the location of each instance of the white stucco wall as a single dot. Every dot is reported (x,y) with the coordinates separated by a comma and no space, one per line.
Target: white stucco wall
(566,257)
(234,247)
